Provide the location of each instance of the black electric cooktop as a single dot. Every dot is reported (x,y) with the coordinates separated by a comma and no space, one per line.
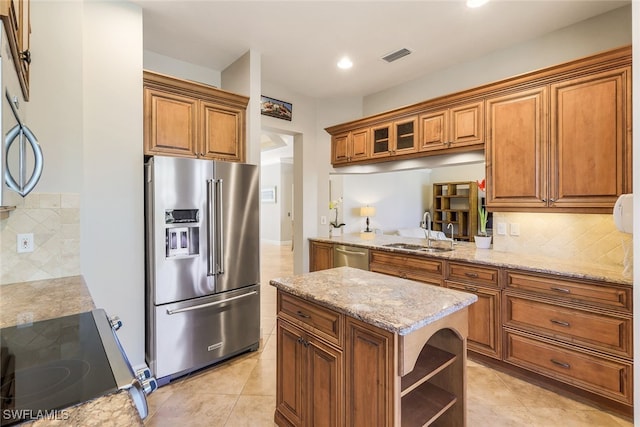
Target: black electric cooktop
(50,365)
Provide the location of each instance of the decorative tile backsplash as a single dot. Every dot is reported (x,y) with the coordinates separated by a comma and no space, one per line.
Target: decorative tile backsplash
(54,220)
(584,237)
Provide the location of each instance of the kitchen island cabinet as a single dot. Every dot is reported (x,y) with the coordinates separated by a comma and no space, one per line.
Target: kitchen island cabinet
(346,355)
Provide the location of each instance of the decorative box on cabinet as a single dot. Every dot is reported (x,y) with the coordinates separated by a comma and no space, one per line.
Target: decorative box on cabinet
(453,127)
(188,119)
(456,203)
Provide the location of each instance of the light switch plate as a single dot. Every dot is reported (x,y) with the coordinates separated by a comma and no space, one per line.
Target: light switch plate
(515,229)
(502,228)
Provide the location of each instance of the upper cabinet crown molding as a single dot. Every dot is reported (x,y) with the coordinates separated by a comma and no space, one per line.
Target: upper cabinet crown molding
(189,119)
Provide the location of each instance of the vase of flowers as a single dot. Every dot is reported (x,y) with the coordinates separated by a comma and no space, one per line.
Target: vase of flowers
(483,241)
(334,205)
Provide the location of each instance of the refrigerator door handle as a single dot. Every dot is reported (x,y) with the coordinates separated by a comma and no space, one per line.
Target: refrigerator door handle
(210,222)
(220,228)
(210,304)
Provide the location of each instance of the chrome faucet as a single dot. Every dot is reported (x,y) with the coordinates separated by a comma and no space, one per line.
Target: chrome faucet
(450,226)
(427,226)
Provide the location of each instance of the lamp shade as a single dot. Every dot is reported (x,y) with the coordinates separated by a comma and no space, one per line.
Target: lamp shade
(367,211)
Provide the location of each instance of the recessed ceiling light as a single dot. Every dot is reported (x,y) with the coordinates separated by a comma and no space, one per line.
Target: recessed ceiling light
(345,63)
(476,3)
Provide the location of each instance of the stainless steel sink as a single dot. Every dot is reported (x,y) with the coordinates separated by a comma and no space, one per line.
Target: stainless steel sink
(419,248)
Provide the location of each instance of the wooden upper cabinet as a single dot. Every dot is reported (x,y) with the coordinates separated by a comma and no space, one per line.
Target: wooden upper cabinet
(187,119)
(171,123)
(579,160)
(350,146)
(16,17)
(223,129)
(516,149)
(458,126)
(395,138)
(590,152)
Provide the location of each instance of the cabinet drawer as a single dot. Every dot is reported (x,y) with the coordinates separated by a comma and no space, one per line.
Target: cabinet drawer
(322,321)
(595,330)
(589,293)
(608,377)
(473,274)
(425,265)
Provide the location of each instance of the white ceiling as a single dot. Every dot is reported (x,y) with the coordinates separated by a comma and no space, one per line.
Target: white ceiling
(301,41)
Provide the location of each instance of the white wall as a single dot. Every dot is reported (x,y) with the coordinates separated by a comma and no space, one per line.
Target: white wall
(174,67)
(112,248)
(270,177)
(309,153)
(55,105)
(601,33)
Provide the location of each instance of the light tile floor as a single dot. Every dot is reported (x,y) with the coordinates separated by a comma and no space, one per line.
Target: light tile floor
(241,392)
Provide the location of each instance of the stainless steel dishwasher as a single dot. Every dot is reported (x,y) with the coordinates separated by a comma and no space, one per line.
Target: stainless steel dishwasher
(351,256)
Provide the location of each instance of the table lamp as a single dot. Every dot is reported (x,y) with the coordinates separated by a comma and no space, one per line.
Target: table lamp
(367,211)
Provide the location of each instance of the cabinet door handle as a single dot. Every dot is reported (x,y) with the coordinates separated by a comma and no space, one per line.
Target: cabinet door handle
(473,275)
(563,290)
(561,323)
(303,315)
(561,364)
(471,288)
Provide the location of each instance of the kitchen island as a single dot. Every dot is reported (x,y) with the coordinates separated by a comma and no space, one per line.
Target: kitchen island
(361,348)
(28,302)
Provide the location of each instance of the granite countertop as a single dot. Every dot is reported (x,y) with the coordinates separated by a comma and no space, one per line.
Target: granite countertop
(465,251)
(391,303)
(22,303)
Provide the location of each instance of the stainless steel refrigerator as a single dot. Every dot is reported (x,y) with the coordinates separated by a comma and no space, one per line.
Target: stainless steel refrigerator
(202,263)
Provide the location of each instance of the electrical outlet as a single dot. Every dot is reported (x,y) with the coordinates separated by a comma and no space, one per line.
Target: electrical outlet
(502,228)
(25,243)
(323,220)
(515,228)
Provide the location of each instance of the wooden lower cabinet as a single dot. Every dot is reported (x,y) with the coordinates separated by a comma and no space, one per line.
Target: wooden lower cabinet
(485,335)
(367,376)
(320,256)
(595,372)
(310,379)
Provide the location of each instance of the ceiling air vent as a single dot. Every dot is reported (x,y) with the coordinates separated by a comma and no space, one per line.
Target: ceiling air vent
(393,56)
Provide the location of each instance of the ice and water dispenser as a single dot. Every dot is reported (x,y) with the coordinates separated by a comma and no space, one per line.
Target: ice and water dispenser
(182,232)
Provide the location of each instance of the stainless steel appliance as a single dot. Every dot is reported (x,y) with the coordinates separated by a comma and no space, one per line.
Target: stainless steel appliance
(54,364)
(20,151)
(351,256)
(202,263)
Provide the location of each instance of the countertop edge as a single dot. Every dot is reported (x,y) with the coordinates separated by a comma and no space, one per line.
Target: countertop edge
(463,300)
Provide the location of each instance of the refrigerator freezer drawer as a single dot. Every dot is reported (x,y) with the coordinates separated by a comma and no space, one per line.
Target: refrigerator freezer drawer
(192,334)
